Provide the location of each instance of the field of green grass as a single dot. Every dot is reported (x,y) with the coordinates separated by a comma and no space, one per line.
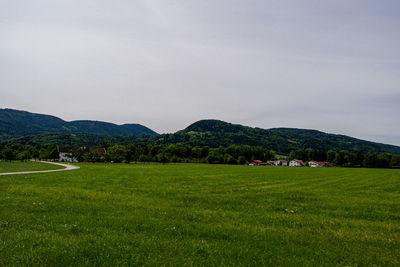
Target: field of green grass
(19,166)
(196,215)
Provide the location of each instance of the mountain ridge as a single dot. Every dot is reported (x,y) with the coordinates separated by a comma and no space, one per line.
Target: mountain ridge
(210,132)
(281,139)
(16,123)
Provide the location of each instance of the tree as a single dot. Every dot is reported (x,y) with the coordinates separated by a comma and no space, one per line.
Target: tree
(92,156)
(116,153)
(242,160)
(297,154)
(228,159)
(213,157)
(23,155)
(8,154)
(161,157)
(370,160)
(106,144)
(395,161)
(340,158)
(330,156)
(383,161)
(77,154)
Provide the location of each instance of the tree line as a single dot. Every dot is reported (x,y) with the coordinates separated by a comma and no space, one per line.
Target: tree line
(348,159)
(180,153)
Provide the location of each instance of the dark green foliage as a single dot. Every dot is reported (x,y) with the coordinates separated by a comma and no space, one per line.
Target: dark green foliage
(216,133)
(24,155)
(16,123)
(116,153)
(181,153)
(395,161)
(8,154)
(66,139)
(48,152)
(175,153)
(211,133)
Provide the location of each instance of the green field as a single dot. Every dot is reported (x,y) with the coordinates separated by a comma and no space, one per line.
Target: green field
(19,166)
(196,215)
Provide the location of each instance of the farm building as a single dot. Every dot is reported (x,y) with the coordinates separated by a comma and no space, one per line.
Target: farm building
(296,163)
(268,163)
(280,162)
(256,162)
(65,153)
(262,163)
(314,163)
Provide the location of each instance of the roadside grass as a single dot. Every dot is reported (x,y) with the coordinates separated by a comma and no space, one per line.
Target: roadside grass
(197,215)
(21,166)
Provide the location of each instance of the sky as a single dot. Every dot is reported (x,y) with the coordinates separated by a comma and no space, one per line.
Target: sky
(331,65)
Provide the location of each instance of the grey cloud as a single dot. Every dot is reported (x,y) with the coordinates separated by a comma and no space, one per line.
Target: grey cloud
(328,65)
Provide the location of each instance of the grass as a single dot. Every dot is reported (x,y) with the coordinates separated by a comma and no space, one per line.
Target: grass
(196,215)
(22,166)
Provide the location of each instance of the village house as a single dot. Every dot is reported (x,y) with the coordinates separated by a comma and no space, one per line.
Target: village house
(268,163)
(256,162)
(314,163)
(65,153)
(262,163)
(280,162)
(296,163)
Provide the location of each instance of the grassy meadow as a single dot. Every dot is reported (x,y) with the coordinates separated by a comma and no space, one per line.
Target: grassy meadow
(197,215)
(22,166)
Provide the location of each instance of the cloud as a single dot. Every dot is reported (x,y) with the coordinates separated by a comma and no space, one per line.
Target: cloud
(331,65)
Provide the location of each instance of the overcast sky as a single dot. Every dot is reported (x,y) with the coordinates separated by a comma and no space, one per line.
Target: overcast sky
(331,65)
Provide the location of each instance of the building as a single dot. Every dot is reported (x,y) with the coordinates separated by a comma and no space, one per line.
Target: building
(66,153)
(314,163)
(280,162)
(256,162)
(296,163)
(262,163)
(268,163)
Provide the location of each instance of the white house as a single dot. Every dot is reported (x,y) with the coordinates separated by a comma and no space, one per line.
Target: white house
(65,154)
(296,163)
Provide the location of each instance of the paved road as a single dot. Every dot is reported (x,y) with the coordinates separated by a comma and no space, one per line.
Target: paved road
(67,168)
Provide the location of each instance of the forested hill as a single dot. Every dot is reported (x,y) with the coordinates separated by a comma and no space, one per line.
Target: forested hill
(29,128)
(215,133)
(16,123)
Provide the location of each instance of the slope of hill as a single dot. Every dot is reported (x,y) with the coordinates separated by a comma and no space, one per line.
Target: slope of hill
(68,139)
(29,128)
(16,123)
(214,133)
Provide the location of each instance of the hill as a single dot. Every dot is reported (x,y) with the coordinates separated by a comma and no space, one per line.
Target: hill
(216,133)
(30,128)
(16,123)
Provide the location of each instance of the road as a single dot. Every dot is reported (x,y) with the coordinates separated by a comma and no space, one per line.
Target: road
(67,168)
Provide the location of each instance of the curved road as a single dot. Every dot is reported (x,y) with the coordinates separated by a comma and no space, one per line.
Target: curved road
(67,168)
